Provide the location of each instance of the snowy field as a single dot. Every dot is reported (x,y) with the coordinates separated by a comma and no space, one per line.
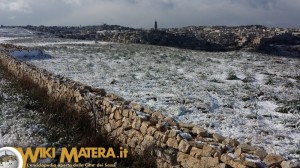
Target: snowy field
(252,97)
(17,32)
(19,125)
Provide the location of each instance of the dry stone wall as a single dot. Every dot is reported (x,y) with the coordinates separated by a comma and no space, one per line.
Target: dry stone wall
(139,129)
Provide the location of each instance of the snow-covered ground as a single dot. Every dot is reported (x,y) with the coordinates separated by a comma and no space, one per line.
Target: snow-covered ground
(19,125)
(15,32)
(252,97)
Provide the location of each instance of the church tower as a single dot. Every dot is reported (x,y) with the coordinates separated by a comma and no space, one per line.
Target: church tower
(155,25)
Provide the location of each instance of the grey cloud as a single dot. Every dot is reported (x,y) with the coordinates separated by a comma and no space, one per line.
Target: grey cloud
(265,4)
(15,5)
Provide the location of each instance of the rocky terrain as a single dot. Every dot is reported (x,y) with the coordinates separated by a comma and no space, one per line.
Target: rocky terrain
(275,41)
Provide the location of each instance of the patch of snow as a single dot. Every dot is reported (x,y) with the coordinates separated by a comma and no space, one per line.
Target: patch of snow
(27,55)
(19,127)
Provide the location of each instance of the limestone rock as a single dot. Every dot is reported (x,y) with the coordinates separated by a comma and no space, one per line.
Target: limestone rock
(208,150)
(136,124)
(125,112)
(157,115)
(173,133)
(231,162)
(218,138)
(196,152)
(188,126)
(290,164)
(209,162)
(231,142)
(144,127)
(238,152)
(172,143)
(188,161)
(147,110)
(273,160)
(171,121)
(243,148)
(160,136)
(151,130)
(118,124)
(250,163)
(184,146)
(197,144)
(148,141)
(118,115)
(143,116)
(107,127)
(111,116)
(136,106)
(98,91)
(185,136)
(170,155)
(200,131)
(162,126)
(261,153)
(126,124)
(133,142)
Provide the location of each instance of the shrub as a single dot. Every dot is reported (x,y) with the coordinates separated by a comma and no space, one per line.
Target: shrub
(232,76)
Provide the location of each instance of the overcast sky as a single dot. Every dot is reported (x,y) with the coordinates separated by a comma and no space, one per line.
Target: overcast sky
(143,13)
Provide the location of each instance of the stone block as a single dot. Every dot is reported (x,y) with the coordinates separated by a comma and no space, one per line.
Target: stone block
(251,163)
(151,130)
(172,143)
(171,121)
(184,146)
(136,124)
(157,115)
(107,127)
(148,141)
(207,162)
(200,131)
(185,136)
(126,124)
(173,133)
(118,115)
(231,142)
(111,116)
(125,112)
(186,160)
(261,153)
(161,126)
(208,150)
(136,106)
(187,126)
(225,158)
(158,135)
(118,124)
(132,142)
(144,127)
(273,160)
(290,164)
(170,156)
(197,144)
(196,152)
(218,138)
(112,124)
